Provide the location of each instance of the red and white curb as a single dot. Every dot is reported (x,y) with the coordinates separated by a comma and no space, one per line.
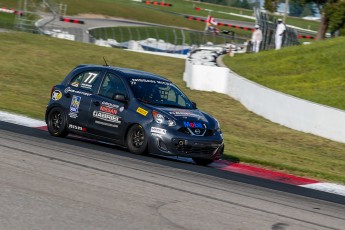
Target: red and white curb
(220,164)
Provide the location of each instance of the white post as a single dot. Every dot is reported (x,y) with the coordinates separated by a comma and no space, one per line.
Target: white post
(286,10)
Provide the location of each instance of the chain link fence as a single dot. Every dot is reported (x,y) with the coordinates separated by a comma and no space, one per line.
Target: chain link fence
(268,26)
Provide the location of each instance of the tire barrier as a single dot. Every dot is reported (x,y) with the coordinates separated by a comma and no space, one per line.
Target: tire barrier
(157,3)
(70,20)
(11,11)
(219,23)
(306,37)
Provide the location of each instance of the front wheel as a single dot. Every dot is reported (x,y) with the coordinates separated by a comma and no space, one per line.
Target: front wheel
(56,123)
(202,161)
(136,140)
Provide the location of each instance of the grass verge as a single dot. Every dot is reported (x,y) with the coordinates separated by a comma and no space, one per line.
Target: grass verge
(313,72)
(31,64)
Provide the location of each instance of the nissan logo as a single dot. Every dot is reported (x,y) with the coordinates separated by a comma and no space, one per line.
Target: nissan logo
(197,131)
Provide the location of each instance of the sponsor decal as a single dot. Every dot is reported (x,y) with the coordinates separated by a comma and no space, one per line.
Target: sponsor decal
(135,80)
(75,127)
(74,107)
(183,114)
(56,95)
(108,110)
(86,86)
(106,124)
(106,117)
(158,130)
(196,125)
(68,89)
(142,111)
(75,84)
(110,105)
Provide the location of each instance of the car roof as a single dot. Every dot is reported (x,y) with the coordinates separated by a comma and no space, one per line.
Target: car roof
(126,72)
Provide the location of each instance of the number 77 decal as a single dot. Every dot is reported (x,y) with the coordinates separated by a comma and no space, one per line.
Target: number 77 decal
(90,78)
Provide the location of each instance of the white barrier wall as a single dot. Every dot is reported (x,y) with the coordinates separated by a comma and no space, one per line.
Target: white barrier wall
(278,107)
(206,78)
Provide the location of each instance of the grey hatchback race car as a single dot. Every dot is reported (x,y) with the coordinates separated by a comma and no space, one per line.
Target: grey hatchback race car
(141,111)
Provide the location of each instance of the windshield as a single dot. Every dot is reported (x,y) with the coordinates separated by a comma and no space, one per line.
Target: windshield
(161,93)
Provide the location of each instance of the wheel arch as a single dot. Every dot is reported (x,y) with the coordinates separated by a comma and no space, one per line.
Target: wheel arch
(52,106)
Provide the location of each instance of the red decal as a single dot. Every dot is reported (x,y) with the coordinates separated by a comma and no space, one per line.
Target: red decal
(108,110)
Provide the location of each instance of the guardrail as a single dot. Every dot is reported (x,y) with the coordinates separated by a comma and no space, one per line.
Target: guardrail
(275,106)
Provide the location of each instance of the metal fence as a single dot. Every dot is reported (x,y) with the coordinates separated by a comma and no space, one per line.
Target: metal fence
(268,27)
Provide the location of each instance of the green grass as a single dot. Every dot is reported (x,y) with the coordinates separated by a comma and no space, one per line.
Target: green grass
(31,64)
(6,20)
(313,72)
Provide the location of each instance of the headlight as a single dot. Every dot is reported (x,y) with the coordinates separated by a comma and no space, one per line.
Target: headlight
(161,119)
(217,129)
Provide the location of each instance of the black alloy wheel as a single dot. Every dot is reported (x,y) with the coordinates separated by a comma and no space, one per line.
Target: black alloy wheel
(136,140)
(57,123)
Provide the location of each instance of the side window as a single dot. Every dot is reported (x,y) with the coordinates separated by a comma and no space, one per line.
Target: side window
(86,80)
(112,85)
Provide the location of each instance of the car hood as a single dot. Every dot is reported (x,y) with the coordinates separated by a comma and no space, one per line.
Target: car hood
(181,116)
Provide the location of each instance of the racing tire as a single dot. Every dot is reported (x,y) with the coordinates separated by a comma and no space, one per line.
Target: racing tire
(136,140)
(56,122)
(202,161)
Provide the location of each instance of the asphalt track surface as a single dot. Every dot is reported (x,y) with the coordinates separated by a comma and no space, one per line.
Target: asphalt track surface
(69,183)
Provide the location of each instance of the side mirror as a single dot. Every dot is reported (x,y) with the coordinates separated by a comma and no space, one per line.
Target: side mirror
(194,105)
(120,97)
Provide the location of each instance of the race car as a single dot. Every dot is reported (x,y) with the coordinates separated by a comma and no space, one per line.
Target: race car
(141,111)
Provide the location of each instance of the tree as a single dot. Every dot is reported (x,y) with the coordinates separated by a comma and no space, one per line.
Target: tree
(271,5)
(332,15)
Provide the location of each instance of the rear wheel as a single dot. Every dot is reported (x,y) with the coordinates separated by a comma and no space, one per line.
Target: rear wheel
(136,140)
(202,161)
(57,123)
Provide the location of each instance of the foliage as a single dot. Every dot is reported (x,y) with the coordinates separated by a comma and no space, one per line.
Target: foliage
(271,5)
(332,15)
(336,14)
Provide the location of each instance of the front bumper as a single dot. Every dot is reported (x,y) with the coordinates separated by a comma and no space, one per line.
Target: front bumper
(175,143)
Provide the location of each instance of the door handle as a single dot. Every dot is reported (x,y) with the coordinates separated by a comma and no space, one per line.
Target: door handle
(96,103)
(68,95)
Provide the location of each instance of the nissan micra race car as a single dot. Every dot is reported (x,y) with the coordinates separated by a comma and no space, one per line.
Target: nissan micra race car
(141,111)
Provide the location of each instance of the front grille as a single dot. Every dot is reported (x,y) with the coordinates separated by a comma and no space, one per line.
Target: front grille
(188,149)
(184,130)
(191,131)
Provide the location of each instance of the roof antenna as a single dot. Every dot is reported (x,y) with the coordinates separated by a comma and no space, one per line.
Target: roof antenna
(106,64)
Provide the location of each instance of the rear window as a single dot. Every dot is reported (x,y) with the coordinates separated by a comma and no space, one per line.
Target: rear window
(86,80)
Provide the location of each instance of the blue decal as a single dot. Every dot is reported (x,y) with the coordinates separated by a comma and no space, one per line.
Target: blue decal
(196,125)
(74,107)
